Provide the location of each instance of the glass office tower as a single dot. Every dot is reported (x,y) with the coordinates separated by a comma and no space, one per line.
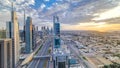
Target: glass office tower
(28,35)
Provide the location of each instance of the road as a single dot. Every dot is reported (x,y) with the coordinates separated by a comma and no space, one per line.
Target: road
(40,63)
(75,51)
(43,63)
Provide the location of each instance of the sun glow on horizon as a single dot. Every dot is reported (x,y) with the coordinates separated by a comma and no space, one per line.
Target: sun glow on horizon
(101,27)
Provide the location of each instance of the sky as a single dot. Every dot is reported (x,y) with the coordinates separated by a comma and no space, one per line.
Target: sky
(98,15)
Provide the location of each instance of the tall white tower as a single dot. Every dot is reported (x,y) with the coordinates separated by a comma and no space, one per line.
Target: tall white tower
(15,36)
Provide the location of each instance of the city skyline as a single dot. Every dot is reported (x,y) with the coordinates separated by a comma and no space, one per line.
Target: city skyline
(94,15)
(59,34)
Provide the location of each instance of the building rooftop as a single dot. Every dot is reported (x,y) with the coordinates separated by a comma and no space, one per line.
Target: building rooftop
(6,39)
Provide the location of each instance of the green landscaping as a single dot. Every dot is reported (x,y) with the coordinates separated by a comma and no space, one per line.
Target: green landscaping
(118,55)
(84,58)
(114,65)
(39,49)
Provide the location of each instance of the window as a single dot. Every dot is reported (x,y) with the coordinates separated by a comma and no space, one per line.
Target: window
(61,65)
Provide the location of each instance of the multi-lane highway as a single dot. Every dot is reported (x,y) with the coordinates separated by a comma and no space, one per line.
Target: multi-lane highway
(72,46)
(41,63)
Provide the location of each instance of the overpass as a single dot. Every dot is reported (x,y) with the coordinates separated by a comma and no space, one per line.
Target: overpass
(31,57)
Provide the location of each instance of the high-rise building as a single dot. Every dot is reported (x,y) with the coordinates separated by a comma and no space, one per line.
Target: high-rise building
(6,53)
(33,37)
(16,45)
(59,56)
(56,32)
(28,35)
(12,29)
(43,29)
(9,29)
(47,30)
(51,30)
(37,33)
(22,34)
(24,27)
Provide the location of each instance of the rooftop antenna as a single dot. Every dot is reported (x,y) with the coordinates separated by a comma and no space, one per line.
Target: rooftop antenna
(12,11)
(55,19)
(24,16)
(12,6)
(24,25)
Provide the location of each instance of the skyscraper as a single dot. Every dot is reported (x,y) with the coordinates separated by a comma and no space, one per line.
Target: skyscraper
(16,45)
(47,30)
(13,33)
(33,36)
(9,30)
(24,27)
(59,56)
(56,32)
(6,53)
(28,35)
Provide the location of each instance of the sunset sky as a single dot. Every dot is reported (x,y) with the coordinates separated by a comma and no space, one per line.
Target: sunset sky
(96,27)
(98,15)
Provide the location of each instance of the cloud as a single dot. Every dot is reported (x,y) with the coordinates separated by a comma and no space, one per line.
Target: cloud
(110,20)
(69,11)
(112,13)
(42,6)
(47,0)
(73,12)
(5,10)
(4,17)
